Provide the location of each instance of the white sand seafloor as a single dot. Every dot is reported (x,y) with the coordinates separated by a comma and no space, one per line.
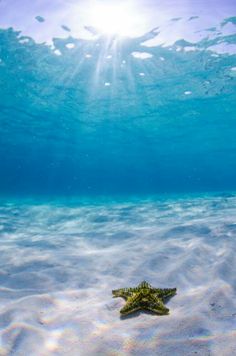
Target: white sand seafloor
(59,263)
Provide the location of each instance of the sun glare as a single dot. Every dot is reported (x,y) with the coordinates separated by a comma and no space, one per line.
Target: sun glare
(113,18)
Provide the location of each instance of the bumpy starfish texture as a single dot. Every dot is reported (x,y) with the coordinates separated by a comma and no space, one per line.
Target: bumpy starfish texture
(144,296)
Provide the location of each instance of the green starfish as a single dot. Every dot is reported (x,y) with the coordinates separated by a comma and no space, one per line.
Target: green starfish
(144,296)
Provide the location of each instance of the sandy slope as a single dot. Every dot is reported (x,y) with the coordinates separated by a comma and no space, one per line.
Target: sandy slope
(59,263)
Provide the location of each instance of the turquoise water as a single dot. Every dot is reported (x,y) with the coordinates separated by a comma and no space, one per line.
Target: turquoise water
(97,116)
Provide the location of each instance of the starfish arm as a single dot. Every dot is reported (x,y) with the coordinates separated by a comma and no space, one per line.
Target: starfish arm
(123,293)
(165,293)
(156,306)
(143,285)
(131,305)
(128,309)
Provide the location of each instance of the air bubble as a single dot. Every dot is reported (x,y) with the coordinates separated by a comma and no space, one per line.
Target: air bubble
(70,45)
(141,55)
(57,52)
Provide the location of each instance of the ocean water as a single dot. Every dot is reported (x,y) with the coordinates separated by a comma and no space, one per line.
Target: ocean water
(98,119)
(117,165)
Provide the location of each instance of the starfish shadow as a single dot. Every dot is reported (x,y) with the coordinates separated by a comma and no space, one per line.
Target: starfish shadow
(137,313)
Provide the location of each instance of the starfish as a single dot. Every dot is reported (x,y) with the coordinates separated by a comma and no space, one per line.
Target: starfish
(144,296)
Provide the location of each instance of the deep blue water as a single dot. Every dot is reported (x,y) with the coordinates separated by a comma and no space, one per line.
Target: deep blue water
(94,119)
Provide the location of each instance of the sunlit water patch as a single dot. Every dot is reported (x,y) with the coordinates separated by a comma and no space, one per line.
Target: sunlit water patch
(60,262)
